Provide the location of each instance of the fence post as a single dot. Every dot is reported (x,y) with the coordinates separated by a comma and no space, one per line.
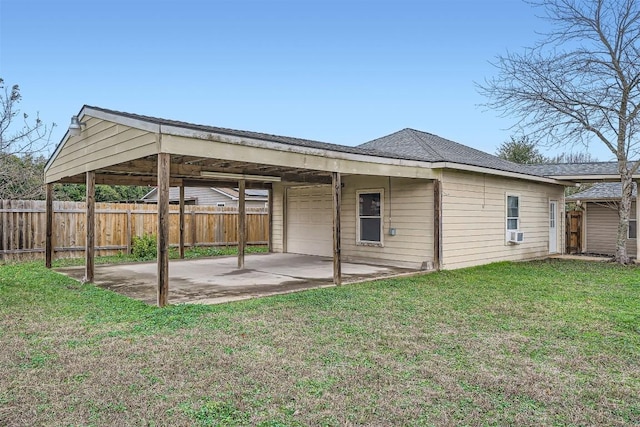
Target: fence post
(49,227)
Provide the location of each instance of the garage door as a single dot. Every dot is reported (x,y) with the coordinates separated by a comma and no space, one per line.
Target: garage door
(310,220)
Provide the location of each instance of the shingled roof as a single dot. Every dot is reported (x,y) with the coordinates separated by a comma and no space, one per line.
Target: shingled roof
(432,148)
(602,191)
(257,135)
(572,169)
(406,144)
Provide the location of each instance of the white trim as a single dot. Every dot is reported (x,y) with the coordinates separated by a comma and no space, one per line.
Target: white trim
(556,215)
(360,242)
(507,217)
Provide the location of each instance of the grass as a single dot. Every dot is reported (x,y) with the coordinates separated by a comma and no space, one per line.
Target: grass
(539,343)
(189,253)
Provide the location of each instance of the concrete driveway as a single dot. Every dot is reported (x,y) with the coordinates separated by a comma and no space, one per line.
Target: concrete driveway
(216,280)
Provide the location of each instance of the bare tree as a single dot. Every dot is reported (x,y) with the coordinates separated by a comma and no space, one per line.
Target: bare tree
(22,143)
(580,83)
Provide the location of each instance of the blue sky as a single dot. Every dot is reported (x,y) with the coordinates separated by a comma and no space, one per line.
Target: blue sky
(336,71)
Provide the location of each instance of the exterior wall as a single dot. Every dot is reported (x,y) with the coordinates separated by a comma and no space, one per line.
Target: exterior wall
(278,218)
(474,219)
(205,196)
(101,144)
(601,229)
(408,207)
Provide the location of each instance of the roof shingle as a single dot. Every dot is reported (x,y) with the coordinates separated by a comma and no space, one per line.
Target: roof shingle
(602,191)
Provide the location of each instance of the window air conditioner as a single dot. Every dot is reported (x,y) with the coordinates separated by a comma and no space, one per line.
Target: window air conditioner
(515,236)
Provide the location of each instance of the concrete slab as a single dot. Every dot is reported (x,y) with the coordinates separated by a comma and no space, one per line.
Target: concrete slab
(216,280)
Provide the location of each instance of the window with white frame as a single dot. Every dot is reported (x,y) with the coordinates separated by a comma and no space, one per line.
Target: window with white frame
(369,219)
(633,229)
(513,212)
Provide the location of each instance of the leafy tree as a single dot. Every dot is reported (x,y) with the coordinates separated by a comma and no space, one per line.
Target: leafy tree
(580,83)
(22,144)
(104,193)
(520,150)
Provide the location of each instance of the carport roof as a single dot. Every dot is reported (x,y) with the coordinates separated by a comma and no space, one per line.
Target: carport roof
(300,142)
(407,144)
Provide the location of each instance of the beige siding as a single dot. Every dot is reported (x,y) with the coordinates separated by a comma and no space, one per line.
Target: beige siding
(408,207)
(278,218)
(602,229)
(101,144)
(474,219)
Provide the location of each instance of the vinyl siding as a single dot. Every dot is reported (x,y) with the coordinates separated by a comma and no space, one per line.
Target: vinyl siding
(278,218)
(408,207)
(474,219)
(102,144)
(205,196)
(602,228)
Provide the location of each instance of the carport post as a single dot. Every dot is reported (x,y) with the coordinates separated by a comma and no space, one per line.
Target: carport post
(336,182)
(48,246)
(164,162)
(90,227)
(182,222)
(241,223)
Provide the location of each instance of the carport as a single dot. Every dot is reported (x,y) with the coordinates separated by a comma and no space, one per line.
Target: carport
(115,148)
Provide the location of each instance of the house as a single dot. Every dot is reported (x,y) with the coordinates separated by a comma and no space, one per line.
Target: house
(600,219)
(409,199)
(212,196)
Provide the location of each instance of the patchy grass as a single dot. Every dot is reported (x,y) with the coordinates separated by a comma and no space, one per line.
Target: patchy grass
(189,253)
(540,343)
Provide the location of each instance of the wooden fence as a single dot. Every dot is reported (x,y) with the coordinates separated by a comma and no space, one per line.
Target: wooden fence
(23,227)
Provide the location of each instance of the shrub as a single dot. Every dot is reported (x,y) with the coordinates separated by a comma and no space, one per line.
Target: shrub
(145,247)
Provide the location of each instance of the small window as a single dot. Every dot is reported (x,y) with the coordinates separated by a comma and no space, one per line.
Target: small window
(513,213)
(370,217)
(220,204)
(633,229)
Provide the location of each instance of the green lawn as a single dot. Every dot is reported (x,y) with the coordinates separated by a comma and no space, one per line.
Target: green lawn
(540,343)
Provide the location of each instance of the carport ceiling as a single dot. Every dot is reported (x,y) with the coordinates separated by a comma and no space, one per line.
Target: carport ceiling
(187,170)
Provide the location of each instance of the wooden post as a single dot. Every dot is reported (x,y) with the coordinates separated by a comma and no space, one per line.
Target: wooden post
(90,227)
(437,224)
(336,181)
(637,221)
(241,223)
(49,227)
(164,163)
(182,222)
(270,213)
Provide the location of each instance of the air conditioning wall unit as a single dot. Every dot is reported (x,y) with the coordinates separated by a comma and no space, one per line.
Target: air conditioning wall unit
(515,236)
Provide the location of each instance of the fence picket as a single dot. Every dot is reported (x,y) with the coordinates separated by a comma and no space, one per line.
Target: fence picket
(23,227)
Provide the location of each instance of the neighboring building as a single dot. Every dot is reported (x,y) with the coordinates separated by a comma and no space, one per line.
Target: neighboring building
(600,218)
(212,196)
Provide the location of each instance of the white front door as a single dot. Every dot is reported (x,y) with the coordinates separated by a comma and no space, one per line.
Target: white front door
(553,227)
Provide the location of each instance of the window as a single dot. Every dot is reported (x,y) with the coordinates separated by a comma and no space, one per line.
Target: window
(513,212)
(370,216)
(633,229)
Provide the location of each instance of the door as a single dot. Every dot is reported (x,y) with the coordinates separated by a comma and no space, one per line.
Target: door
(310,220)
(553,227)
